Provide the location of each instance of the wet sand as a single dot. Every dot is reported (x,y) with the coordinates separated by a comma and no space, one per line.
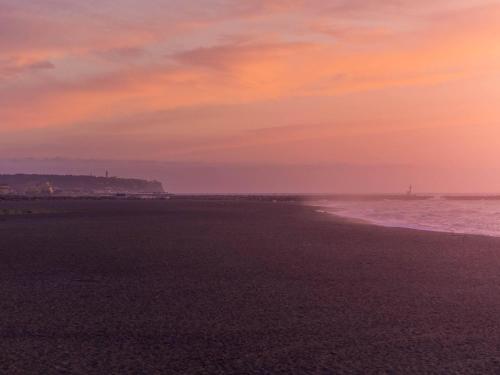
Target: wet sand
(193,286)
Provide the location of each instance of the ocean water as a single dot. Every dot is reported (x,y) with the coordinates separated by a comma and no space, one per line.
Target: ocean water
(478,216)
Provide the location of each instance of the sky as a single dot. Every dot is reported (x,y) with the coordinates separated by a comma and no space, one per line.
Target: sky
(273,95)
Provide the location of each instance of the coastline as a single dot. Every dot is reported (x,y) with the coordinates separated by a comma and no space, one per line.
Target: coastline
(186,286)
(324,209)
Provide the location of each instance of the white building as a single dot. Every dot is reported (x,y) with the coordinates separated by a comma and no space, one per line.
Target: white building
(5,189)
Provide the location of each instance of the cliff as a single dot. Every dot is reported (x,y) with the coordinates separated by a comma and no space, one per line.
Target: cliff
(60,184)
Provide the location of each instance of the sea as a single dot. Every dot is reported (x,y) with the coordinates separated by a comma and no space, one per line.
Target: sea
(471,215)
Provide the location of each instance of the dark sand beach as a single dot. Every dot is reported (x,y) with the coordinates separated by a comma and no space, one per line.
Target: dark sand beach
(194,287)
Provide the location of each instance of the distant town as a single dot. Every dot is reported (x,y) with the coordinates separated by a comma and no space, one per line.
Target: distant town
(74,186)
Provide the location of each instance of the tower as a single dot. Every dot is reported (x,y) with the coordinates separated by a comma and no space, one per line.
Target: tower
(107,173)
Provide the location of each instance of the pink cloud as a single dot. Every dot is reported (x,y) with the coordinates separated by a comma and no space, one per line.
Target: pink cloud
(92,65)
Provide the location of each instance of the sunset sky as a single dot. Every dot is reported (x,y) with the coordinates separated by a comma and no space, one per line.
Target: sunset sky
(290,84)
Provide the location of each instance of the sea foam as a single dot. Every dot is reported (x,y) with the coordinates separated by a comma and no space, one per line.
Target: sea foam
(472,216)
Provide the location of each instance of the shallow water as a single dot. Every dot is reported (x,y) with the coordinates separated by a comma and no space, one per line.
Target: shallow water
(455,216)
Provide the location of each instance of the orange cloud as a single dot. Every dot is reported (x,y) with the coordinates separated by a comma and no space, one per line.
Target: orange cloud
(379,67)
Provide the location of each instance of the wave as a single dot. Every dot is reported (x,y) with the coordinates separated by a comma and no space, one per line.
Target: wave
(468,216)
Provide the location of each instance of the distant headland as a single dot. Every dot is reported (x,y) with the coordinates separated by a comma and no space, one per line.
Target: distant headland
(70,185)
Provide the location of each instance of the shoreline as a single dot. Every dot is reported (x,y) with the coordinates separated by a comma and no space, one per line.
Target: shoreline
(355,220)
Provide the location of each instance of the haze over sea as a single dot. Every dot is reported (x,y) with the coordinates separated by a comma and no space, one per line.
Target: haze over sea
(457,215)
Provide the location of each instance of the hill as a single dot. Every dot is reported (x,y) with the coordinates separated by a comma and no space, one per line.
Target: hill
(75,185)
